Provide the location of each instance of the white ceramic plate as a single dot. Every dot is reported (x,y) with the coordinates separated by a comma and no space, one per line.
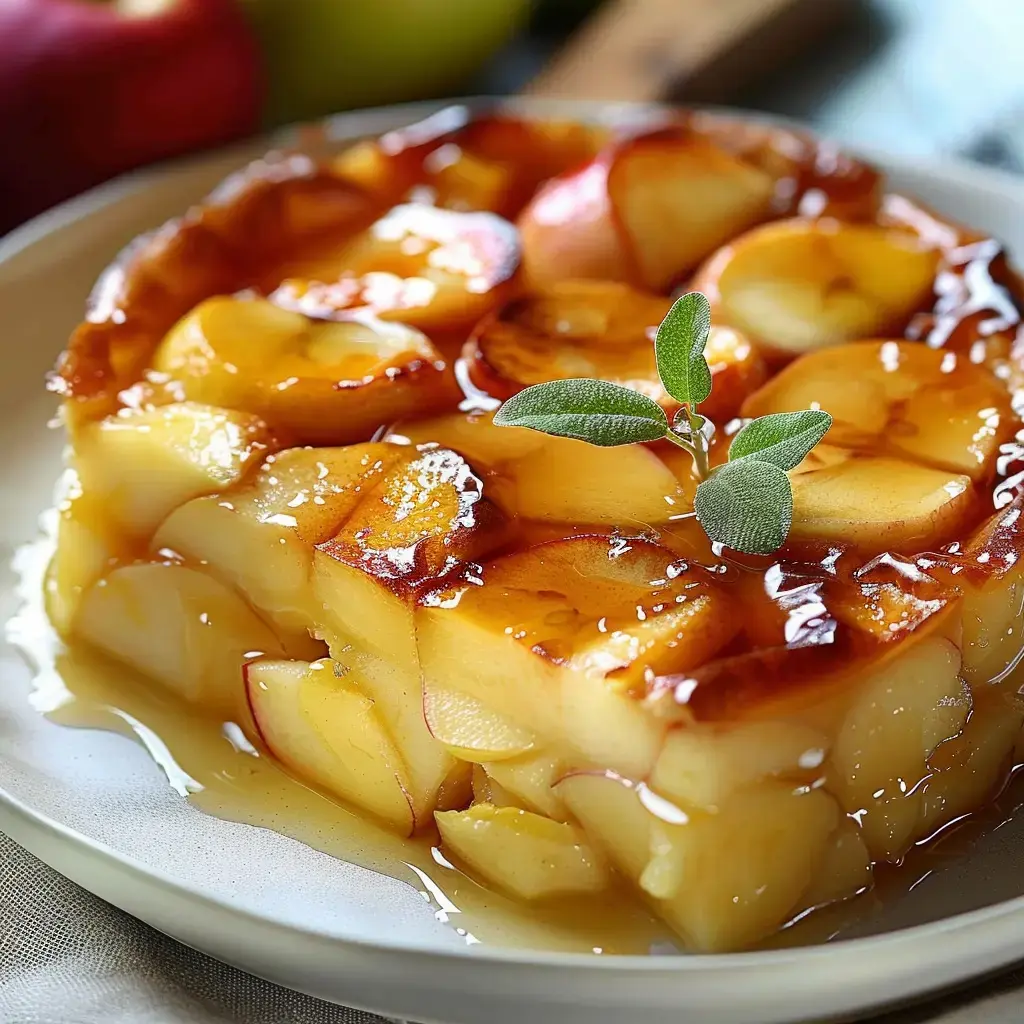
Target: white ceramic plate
(96,807)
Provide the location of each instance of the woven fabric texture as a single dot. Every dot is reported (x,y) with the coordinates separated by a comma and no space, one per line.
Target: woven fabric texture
(67,957)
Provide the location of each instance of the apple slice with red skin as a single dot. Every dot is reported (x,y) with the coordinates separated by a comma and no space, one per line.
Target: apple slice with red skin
(319,725)
(647,210)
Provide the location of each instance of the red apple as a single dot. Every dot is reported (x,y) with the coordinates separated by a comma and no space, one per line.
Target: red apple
(92,88)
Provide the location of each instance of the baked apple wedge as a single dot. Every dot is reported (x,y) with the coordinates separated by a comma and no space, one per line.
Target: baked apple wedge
(465,162)
(524,854)
(797,285)
(142,463)
(178,626)
(259,537)
(648,209)
(322,382)
(557,479)
(419,524)
(316,721)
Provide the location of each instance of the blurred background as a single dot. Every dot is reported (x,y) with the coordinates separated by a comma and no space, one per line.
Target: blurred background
(92,88)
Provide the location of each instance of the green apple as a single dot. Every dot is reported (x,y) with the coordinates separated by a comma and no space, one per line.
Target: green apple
(327,55)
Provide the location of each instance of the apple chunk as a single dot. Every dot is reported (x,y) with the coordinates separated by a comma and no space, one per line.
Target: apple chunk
(322,382)
(414,528)
(317,722)
(900,713)
(178,626)
(141,464)
(527,855)
(599,329)
(723,880)
(797,285)
(259,536)
(87,547)
(577,623)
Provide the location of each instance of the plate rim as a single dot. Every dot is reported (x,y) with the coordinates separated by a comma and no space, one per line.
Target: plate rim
(31,828)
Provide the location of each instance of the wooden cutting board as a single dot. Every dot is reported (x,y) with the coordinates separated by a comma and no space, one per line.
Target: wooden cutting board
(700,50)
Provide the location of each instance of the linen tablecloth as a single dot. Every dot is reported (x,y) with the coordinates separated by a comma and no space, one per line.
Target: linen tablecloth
(67,957)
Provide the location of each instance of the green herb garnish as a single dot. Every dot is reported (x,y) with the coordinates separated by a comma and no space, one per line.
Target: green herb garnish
(745,504)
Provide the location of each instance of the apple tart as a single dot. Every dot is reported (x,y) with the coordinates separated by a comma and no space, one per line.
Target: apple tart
(289,505)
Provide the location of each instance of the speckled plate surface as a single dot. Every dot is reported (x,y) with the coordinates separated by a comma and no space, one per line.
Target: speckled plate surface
(97,807)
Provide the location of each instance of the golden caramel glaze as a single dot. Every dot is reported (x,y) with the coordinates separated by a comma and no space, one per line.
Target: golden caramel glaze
(274,206)
(527,635)
(423,520)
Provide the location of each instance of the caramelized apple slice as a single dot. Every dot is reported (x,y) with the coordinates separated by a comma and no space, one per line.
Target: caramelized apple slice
(799,285)
(569,329)
(317,722)
(414,529)
(259,537)
(275,206)
(993,601)
(555,478)
(899,397)
(527,855)
(814,177)
(724,880)
(600,329)
(434,269)
(324,383)
(468,162)
(648,209)
(567,230)
(577,623)
(178,626)
(677,196)
(878,503)
(140,464)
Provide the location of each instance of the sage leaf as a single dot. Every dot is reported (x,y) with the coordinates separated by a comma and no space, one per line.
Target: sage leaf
(596,411)
(679,349)
(781,438)
(746,505)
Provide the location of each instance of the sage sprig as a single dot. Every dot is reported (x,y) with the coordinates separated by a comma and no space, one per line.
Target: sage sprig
(745,504)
